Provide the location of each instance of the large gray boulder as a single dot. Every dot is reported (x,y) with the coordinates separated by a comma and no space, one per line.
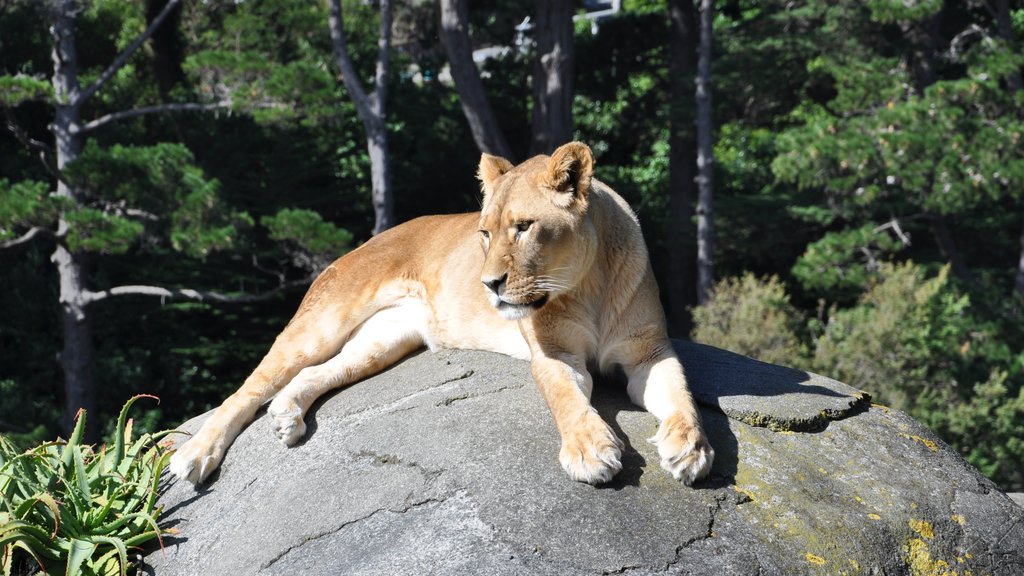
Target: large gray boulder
(447,464)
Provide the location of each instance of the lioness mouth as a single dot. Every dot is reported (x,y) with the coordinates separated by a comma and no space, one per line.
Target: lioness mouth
(512,311)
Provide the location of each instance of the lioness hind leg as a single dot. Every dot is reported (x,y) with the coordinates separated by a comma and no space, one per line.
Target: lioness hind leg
(660,387)
(379,342)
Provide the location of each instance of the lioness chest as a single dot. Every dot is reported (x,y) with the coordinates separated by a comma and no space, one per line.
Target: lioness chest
(427,272)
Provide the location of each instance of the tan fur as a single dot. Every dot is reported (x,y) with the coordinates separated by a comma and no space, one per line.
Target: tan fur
(553,269)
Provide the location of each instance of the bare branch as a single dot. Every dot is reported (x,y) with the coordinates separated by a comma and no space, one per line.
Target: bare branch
(123,57)
(45,152)
(348,69)
(156,109)
(895,225)
(189,294)
(379,95)
(956,45)
(27,237)
(482,123)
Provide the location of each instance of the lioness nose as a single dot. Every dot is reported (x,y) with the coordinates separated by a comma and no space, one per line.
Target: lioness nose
(495,284)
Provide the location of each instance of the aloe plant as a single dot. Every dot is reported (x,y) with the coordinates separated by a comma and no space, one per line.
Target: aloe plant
(74,510)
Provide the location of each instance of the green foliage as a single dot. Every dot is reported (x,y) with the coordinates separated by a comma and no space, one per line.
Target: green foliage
(913,340)
(152,178)
(134,185)
(25,204)
(20,88)
(93,230)
(985,427)
(888,11)
(842,263)
(901,340)
(271,58)
(881,144)
(754,317)
(917,344)
(202,224)
(75,510)
(307,229)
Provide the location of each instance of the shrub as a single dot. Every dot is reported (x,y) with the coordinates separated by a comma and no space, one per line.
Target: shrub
(73,510)
(912,339)
(916,343)
(754,317)
(901,340)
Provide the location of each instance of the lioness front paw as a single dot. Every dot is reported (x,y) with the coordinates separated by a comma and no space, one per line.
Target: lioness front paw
(591,452)
(684,449)
(195,460)
(286,421)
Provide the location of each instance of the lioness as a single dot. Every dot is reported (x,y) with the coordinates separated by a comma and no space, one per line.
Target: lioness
(553,269)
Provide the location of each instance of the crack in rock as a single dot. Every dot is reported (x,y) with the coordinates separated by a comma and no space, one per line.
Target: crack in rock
(713,510)
(378,459)
(468,396)
(314,537)
(360,416)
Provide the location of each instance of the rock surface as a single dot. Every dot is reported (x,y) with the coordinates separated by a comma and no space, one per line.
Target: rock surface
(447,464)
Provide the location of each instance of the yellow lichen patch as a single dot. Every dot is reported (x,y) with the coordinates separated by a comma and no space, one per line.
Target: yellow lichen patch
(921,562)
(823,471)
(745,492)
(959,519)
(929,444)
(859,499)
(874,516)
(923,527)
(814,559)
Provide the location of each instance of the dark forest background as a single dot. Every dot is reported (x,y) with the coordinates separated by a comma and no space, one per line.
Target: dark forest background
(863,182)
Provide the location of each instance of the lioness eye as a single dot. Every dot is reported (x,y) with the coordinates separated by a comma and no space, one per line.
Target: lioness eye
(485,234)
(524,225)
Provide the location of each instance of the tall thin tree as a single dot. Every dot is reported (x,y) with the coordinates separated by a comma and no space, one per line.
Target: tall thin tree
(705,158)
(682,165)
(371,107)
(553,71)
(483,124)
(70,134)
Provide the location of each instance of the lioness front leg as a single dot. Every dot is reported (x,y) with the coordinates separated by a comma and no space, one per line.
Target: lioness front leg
(659,386)
(591,452)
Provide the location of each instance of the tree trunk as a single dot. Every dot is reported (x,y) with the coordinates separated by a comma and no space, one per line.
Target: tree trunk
(371,108)
(380,176)
(76,355)
(682,166)
(455,35)
(924,39)
(553,72)
(947,246)
(705,159)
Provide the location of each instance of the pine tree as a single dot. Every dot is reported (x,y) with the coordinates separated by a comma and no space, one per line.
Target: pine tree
(105,200)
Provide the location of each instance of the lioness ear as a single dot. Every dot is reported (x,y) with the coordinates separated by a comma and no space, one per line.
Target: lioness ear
(569,171)
(491,167)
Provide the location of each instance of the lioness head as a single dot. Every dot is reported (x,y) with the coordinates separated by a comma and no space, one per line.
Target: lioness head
(537,237)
